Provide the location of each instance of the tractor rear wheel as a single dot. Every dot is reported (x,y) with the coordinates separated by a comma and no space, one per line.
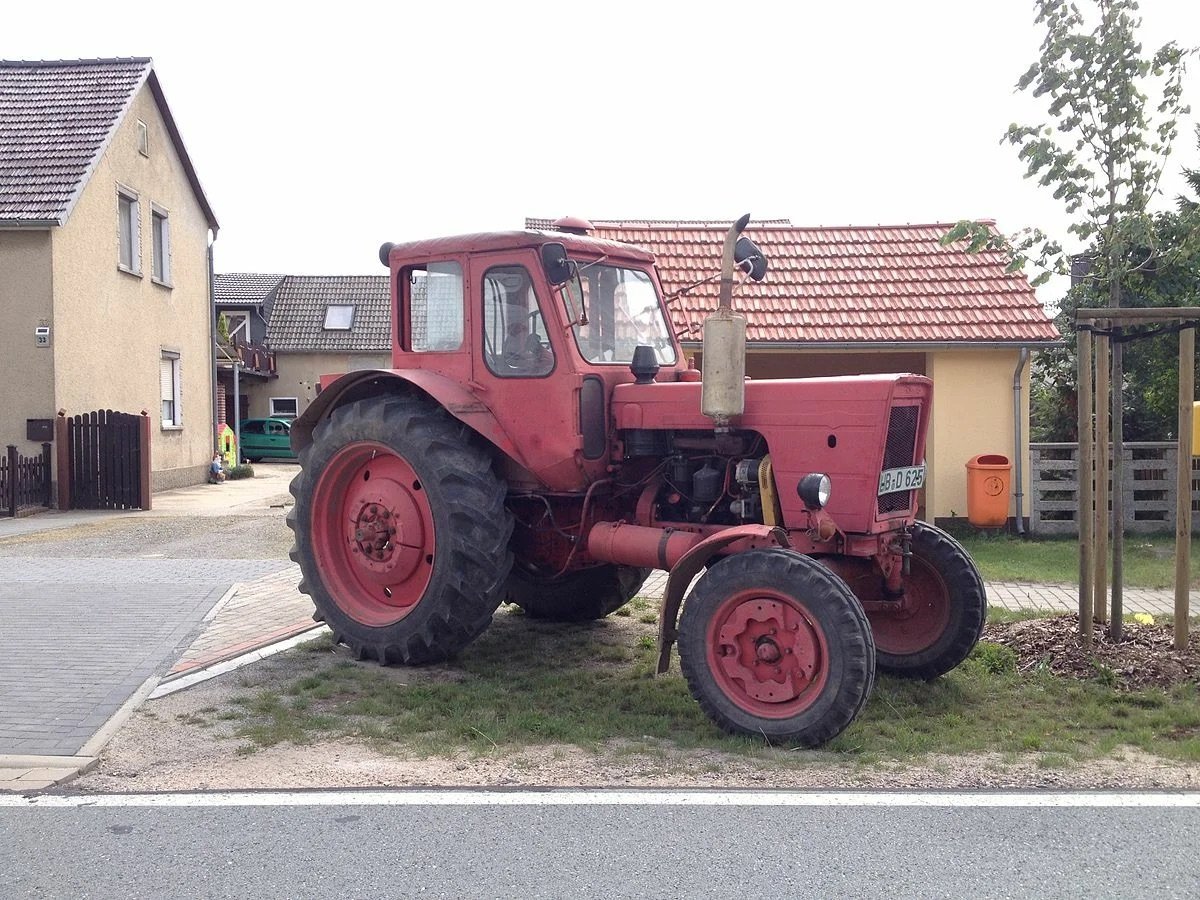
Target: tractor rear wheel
(774,644)
(941,617)
(578,597)
(401,530)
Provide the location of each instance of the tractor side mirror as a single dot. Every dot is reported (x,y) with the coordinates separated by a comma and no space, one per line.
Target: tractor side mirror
(748,258)
(555,264)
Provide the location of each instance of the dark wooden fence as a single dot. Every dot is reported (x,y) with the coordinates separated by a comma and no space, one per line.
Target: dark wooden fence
(104,460)
(24,481)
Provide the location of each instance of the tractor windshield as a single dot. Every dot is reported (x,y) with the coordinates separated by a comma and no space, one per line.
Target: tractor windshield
(623,311)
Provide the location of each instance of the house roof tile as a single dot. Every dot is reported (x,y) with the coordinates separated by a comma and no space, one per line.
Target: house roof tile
(851,284)
(297,320)
(56,119)
(244,288)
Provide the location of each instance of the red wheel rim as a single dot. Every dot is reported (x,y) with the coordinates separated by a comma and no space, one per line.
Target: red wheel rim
(767,653)
(372,533)
(920,619)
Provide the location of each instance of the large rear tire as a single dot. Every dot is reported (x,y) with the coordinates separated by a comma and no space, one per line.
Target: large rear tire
(579,597)
(773,644)
(942,614)
(401,530)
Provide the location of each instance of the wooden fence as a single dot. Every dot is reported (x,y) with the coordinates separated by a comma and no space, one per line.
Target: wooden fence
(103,460)
(1148,488)
(24,481)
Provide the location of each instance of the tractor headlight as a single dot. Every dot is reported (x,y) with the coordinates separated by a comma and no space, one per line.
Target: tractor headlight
(814,490)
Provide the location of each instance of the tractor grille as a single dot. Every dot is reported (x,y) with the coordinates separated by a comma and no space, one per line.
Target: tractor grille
(901,444)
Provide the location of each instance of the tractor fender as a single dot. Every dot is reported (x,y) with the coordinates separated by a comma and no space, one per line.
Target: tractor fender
(447,393)
(750,537)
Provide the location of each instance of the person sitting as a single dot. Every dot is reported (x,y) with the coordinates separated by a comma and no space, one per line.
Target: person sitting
(524,351)
(216,471)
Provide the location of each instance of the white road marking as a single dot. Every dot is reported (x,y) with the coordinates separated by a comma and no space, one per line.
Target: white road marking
(477,797)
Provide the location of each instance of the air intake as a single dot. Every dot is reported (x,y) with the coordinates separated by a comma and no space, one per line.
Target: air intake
(572,225)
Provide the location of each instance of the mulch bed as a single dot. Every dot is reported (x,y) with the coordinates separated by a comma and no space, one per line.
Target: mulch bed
(1145,658)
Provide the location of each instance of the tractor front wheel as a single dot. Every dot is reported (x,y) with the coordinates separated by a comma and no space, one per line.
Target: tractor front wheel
(775,645)
(939,620)
(579,597)
(401,530)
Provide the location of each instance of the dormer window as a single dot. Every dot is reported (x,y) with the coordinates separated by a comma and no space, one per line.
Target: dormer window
(339,318)
(143,138)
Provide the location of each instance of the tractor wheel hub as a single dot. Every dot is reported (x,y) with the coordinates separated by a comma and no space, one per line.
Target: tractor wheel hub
(374,531)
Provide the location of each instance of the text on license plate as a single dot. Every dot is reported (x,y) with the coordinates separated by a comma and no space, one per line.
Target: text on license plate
(908,478)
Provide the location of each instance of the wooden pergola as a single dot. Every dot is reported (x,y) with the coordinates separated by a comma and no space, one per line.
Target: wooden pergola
(1095,329)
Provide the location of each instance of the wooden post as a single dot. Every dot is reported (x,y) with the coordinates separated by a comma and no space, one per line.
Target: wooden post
(1100,546)
(13,476)
(46,474)
(63,452)
(144,460)
(1183,487)
(1116,621)
(1085,516)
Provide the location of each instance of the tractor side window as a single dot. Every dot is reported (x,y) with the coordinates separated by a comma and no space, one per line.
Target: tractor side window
(515,343)
(435,307)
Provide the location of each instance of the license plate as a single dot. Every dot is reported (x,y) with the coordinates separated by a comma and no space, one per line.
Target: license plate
(908,478)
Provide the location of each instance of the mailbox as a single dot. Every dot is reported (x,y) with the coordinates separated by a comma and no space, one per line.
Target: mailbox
(39,430)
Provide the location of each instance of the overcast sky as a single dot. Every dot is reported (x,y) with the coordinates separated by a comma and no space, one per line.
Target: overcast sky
(320,131)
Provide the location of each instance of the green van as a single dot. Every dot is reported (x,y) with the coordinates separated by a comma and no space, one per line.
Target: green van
(262,438)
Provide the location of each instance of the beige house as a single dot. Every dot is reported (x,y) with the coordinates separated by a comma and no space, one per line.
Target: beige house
(104,260)
(314,325)
(874,299)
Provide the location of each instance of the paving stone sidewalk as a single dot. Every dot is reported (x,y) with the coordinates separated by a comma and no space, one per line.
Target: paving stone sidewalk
(92,631)
(261,612)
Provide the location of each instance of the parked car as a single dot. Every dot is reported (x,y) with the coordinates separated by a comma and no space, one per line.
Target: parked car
(262,438)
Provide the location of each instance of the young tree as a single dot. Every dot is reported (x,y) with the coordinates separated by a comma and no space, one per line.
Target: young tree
(1113,117)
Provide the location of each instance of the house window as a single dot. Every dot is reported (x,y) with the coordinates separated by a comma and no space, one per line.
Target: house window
(143,138)
(169,389)
(339,318)
(433,297)
(237,326)
(129,232)
(284,408)
(160,235)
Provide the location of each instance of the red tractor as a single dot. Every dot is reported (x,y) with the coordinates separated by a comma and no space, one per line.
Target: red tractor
(541,441)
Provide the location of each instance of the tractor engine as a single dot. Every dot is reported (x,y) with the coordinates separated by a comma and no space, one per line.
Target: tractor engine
(709,488)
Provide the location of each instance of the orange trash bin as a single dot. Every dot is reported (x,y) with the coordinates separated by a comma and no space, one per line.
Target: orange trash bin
(988,478)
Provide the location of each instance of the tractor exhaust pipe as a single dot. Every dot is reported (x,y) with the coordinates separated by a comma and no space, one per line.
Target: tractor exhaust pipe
(724,381)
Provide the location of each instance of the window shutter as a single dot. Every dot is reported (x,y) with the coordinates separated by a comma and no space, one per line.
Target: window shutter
(137,237)
(166,390)
(165,380)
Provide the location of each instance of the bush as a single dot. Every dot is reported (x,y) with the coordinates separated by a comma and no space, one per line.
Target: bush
(243,471)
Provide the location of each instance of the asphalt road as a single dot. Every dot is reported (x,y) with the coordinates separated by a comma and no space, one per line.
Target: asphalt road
(450,848)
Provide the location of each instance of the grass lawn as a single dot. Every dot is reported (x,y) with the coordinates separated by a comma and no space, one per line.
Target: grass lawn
(1149,559)
(526,683)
